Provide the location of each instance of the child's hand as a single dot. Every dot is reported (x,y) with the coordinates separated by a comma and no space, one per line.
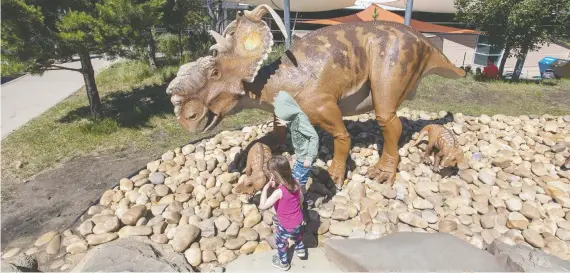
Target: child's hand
(271,183)
(280,122)
(307,164)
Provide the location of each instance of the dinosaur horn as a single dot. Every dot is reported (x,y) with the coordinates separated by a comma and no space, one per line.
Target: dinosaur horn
(230,29)
(222,44)
(257,13)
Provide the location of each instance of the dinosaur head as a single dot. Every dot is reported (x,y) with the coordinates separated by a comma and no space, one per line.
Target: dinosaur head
(453,158)
(251,184)
(211,86)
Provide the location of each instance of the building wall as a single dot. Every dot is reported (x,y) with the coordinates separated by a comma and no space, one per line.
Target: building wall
(530,68)
(458,47)
(436,41)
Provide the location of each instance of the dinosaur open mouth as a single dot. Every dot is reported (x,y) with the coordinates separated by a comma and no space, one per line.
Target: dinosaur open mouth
(212,121)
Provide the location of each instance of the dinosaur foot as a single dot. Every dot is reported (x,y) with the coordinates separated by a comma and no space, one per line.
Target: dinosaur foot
(435,169)
(384,170)
(336,171)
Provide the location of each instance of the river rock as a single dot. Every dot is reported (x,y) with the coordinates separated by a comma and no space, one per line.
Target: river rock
(517,221)
(132,215)
(45,238)
(193,256)
(533,238)
(184,236)
(412,220)
(252,219)
(447,226)
(128,231)
(235,243)
(340,229)
(97,239)
(77,247)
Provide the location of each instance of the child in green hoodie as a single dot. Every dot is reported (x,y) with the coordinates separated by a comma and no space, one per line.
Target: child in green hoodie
(303,135)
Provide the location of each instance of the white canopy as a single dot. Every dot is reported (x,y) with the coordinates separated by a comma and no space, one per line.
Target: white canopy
(436,6)
(302,5)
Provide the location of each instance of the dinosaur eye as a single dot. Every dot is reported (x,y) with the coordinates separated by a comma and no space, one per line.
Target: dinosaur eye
(215,73)
(192,116)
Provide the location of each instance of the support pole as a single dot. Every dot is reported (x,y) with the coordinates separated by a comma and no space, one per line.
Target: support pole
(287,18)
(408,15)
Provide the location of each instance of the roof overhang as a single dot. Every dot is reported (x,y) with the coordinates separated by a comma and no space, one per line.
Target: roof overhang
(301,5)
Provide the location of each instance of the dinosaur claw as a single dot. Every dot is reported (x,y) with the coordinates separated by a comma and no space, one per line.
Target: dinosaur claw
(336,173)
(384,170)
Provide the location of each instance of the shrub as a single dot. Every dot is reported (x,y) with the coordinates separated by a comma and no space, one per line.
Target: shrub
(170,45)
(11,67)
(276,52)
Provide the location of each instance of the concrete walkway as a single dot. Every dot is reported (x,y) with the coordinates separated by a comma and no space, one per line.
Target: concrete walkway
(261,262)
(29,96)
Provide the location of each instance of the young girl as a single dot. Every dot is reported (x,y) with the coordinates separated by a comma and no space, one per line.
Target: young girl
(287,198)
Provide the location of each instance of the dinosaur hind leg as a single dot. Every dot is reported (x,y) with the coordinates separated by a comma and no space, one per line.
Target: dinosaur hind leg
(390,87)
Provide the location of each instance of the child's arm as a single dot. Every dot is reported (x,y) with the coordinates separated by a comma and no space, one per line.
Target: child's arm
(308,131)
(301,196)
(266,203)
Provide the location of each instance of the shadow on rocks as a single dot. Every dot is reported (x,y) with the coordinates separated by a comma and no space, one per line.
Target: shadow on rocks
(364,133)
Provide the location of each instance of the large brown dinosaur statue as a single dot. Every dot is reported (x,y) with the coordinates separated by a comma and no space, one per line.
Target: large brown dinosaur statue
(332,72)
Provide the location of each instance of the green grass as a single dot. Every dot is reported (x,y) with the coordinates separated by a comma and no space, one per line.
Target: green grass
(139,115)
(472,97)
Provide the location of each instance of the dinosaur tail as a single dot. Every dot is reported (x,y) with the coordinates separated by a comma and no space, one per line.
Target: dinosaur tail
(423,133)
(440,65)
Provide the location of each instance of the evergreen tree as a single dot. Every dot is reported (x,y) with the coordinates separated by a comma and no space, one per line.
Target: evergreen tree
(44,34)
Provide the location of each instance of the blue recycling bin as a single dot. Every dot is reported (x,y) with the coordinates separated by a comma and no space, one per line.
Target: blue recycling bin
(545,63)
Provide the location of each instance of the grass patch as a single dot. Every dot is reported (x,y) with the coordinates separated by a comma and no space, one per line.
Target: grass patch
(472,97)
(139,115)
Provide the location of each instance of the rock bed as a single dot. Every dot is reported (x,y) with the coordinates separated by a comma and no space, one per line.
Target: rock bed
(510,188)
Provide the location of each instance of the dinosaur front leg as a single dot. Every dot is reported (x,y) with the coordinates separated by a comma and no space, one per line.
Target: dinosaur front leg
(429,150)
(438,156)
(329,118)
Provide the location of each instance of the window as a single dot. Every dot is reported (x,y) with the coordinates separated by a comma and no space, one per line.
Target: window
(485,51)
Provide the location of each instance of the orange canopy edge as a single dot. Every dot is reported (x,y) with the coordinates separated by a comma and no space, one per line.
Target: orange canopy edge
(384,15)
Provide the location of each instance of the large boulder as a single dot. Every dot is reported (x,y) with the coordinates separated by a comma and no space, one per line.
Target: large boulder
(408,251)
(525,259)
(132,255)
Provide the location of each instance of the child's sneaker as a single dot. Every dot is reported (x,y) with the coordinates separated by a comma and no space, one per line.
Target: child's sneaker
(277,263)
(301,253)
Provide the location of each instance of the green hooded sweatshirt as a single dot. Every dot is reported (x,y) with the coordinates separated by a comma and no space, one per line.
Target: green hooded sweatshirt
(303,135)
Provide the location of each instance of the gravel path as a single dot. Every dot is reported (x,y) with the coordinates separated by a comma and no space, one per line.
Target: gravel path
(29,96)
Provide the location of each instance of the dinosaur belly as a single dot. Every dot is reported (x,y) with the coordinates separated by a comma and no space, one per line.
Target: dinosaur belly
(357,101)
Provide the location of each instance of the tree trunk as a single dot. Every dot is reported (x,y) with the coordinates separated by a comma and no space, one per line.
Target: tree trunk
(151,50)
(520,63)
(504,59)
(90,85)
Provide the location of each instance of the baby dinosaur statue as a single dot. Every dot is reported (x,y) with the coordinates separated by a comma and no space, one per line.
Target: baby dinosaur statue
(335,71)
(256,170)
(449,154)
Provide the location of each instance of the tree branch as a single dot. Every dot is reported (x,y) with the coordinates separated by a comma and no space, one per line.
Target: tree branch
(65,68)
